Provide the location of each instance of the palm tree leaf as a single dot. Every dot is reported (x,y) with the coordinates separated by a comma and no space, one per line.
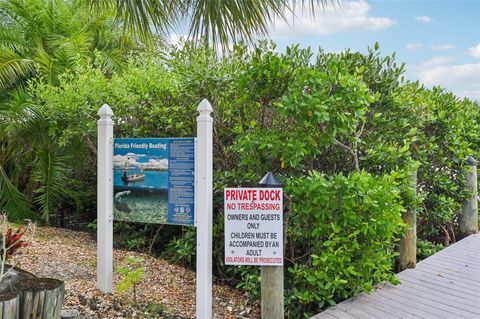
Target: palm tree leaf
(18,115)
(13,68)
(218,22)
(110,61)
(143,16)
(12,38)
(51,172)
(12,200)
(221,21)
(50,66)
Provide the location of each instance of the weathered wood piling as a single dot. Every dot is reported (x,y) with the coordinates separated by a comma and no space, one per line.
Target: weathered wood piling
(40,298)
(9,305)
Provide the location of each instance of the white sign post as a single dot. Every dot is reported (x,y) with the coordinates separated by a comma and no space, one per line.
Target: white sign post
(203,209)
(203,205)
(105,200)
(254,226)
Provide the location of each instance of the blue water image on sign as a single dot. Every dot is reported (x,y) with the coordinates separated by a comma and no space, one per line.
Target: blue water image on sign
(154,180)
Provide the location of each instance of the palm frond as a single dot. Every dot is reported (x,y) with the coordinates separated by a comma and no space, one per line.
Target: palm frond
(111,61)
(12,38)
(222,21)
(18,114)
(13,68)
(25,14)
(218,22)
(51,172)
(50,66)
(12,201)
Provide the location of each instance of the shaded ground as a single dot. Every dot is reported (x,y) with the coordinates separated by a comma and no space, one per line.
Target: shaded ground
(71,256)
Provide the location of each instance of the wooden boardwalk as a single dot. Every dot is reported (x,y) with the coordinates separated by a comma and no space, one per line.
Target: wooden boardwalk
(445,285)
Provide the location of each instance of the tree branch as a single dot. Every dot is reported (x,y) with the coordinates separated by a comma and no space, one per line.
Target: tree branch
(351,151)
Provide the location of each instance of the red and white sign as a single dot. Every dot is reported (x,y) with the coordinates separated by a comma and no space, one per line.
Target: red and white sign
(254,226)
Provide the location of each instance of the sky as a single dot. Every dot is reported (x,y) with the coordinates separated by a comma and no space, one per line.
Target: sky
(439,40)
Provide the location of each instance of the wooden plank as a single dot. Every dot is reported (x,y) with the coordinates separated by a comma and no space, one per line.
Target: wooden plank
(444,269)
(473,239)
(457,256)
(416,305)
(469,259)
(353,313)
(460,271)
(472,273)
(445,285)
(390,308)
(337,313)
(426,302)
(441,288)
(439,273)
(373,308)
(457,304)
(405,305)
(324,315)
(444,297)
(352,307)
(458,268)
(462,251)
(470,243)
(441,281)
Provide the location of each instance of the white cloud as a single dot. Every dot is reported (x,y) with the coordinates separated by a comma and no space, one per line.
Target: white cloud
(461,79)
(160,164)
(129,160)
(475,51)
(440,47)
(414,46)
(436,61)
(348,16)
(122,161)
(424,19)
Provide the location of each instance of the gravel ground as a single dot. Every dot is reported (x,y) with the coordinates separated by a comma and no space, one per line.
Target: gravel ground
(71,256)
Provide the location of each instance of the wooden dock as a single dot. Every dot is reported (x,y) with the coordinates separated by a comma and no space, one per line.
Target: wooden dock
(445,285)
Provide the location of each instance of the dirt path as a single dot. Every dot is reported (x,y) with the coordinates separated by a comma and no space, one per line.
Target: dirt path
(71,256)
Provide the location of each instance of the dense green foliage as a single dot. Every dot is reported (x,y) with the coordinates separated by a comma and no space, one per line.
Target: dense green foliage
(351,222)
(41,40)
(45,38)
(343,132)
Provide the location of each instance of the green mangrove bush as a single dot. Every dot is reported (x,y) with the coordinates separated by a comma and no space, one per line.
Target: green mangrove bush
(343,131)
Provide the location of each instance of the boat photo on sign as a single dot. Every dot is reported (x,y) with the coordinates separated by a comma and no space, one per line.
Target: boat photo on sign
(154,180)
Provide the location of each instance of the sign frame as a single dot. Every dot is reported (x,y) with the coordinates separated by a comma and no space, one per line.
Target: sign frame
(162,173)
(253,219)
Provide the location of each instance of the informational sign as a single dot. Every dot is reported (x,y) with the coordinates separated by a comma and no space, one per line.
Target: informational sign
(154,180)
(254,226)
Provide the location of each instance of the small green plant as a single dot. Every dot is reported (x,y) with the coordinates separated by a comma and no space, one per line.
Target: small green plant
(426,248)
(132,275)
(181,250)
(250,282)
(92,225)
(155,310)
(135,243)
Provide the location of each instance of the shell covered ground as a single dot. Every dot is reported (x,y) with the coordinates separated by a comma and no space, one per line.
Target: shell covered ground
(168,289)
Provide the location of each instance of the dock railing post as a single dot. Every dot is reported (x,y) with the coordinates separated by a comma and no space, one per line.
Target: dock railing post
(272,304)
(468,218)
(105,200)
(408,244)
